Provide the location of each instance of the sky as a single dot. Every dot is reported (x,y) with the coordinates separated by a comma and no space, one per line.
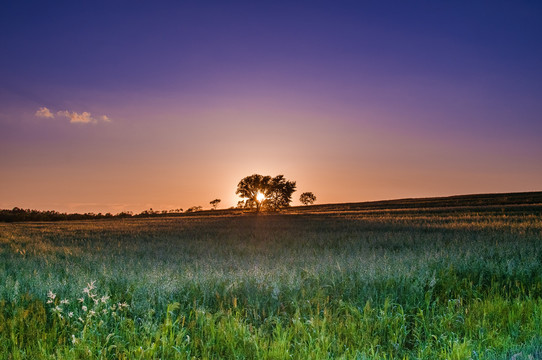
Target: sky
(110,106)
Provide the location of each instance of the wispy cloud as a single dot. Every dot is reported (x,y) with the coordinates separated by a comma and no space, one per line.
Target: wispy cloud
(44,113)
(74,117)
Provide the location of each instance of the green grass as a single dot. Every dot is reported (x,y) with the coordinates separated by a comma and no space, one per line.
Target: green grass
(387,284)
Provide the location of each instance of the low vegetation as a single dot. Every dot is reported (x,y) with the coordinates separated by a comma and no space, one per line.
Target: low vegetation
(421,283)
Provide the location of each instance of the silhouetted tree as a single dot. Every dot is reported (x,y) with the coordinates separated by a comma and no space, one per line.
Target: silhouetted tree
(215,203)
(194,209)
(250,186)
(277,191)
(280,194)
(307,198)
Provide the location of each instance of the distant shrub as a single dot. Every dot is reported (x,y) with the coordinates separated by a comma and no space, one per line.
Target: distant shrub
(194,209)
(307,198)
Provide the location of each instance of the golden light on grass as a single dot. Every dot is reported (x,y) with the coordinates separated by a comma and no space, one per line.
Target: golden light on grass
(260,197)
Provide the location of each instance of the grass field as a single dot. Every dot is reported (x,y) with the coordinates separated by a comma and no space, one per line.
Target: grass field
(337,282)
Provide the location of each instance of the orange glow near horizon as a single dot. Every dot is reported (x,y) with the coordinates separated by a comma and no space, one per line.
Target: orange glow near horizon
(341,161)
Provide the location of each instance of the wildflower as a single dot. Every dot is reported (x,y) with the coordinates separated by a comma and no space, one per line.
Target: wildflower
(123,305)
(80,319)
(74,339)
(70,314)
(104,299)
(81,300)
(92,312)
(64,301)
(84,308)
(89,288)
(104,311)
(91,285)
(51,295)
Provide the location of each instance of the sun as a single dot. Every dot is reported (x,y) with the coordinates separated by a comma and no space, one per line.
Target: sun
(260,197)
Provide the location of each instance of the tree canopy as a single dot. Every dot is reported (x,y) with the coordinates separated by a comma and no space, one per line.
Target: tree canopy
(215,203)
(276,192)
(307,198)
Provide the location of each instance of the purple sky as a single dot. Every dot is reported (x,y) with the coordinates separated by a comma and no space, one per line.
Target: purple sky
(112,106)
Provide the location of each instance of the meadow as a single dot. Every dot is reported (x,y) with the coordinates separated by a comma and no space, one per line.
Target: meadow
(337,283)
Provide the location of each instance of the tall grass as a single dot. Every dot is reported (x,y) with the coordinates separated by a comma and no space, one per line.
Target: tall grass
(388,284)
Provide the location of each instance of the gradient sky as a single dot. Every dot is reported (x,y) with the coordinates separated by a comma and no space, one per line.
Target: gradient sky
(127,105)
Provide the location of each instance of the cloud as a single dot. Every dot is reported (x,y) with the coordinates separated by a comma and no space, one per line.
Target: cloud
(83,118)
(44,113)
(80,118)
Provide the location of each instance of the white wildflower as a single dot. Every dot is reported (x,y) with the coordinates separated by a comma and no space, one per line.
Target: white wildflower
(123,305)
(81,300)
(64,301)
(91,285)
(104,299)
(70,314)
(50,297)
(84,308)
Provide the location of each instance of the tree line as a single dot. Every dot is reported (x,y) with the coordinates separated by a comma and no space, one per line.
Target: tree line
(17,214)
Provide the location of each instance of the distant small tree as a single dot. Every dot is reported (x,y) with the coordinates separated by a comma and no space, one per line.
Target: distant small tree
(307,198)
(194,209)
(215,203)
